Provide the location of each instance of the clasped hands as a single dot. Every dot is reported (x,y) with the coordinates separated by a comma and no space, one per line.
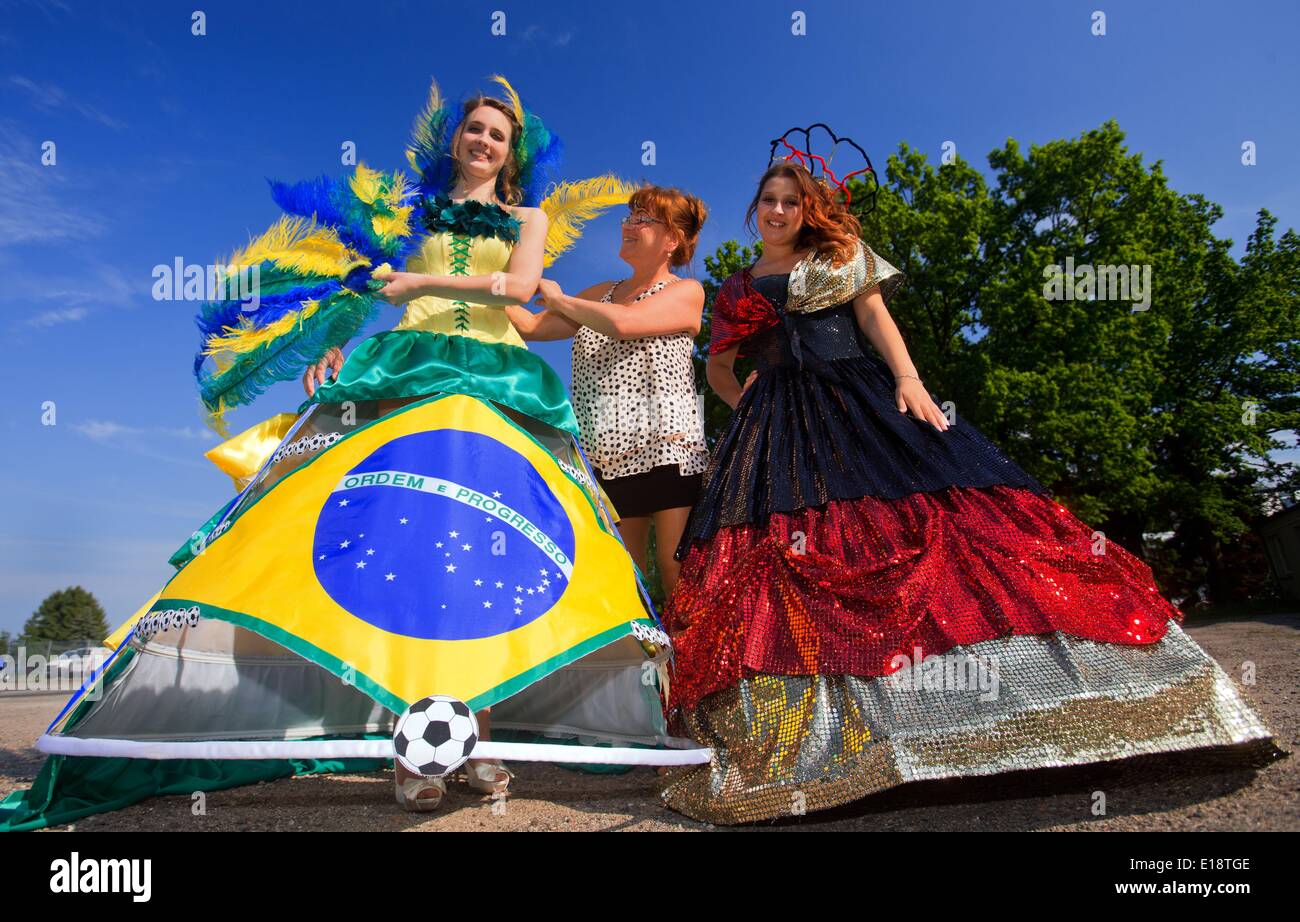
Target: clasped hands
(399,288)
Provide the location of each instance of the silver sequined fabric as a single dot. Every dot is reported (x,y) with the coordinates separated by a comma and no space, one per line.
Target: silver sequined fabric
(785,745)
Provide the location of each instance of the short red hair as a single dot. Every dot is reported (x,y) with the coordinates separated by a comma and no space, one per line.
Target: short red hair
(680,211)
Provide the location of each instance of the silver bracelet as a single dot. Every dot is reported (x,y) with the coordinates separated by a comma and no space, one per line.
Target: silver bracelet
(900,377)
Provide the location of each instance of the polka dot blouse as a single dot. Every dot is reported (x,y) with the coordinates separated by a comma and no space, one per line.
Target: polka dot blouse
(635,400)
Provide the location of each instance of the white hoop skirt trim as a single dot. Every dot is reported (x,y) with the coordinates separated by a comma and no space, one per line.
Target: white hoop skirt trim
(366,749)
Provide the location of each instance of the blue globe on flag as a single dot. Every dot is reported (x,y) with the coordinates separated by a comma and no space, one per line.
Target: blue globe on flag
(444,535)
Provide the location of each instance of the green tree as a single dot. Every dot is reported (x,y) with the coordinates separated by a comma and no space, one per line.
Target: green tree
(1158,419)
(935,225)
(1231,388)
(70,614)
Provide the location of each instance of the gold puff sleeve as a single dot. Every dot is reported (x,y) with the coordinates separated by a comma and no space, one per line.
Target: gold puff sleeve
(817,283)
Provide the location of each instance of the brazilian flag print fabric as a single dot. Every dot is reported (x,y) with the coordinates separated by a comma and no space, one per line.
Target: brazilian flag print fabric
(445,546)
(438,550)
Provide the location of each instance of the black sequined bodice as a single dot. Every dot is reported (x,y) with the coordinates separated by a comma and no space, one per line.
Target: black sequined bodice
(805,338)
(821,423)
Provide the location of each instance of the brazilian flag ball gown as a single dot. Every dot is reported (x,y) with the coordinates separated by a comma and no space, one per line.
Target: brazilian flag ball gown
(865,600)
(424,525)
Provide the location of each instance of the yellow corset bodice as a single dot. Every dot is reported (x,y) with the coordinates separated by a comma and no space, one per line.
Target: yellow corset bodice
(458,254)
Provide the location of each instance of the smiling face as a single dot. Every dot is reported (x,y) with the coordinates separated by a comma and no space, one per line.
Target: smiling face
(646,239)
(779,211)
(483,147)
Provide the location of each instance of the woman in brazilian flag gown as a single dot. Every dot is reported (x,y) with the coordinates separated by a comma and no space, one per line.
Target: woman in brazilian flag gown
(402,593)
(483,253)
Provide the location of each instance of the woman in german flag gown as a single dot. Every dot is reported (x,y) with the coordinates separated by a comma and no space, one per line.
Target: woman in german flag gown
(870,597)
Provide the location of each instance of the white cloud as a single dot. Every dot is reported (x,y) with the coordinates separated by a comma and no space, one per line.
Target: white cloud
(55,317)
(43,96)
(103,429)
(105,286)
(48,7)
(192,432)
(37,203)
(50,97)
(72,299)
(536,33)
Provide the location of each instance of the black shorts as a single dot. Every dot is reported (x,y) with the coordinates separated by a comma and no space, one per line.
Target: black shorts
(660,488)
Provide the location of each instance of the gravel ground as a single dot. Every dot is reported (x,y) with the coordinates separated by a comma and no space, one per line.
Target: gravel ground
(1254,790)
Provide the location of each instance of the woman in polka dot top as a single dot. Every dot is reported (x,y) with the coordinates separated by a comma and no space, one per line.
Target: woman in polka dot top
(633,381)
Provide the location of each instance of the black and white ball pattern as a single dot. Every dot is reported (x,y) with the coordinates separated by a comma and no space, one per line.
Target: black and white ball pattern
(435,735)
(635,400)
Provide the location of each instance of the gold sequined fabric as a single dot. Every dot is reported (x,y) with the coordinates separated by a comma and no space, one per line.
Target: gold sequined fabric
(817,283)
(788,745)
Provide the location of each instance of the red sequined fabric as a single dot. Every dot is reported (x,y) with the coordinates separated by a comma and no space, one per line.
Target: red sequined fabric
(738,313)
(845,588)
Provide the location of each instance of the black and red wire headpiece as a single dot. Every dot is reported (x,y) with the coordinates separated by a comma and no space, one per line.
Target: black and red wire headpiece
(797,145)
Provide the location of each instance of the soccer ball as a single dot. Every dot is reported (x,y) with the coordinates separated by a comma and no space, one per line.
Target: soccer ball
(435,735)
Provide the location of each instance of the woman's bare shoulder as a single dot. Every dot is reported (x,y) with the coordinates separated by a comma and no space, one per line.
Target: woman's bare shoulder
(527,213)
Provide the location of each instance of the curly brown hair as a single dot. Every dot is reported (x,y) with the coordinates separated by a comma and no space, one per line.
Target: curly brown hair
(828,227)
(508,187)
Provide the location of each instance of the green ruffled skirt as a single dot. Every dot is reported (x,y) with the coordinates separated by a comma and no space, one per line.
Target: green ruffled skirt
(412,363)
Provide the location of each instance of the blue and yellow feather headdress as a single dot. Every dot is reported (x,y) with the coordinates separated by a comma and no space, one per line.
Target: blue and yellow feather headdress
(315,265)
(536,150)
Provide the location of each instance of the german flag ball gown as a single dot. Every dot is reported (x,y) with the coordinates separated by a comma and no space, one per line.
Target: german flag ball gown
(865,600)
(424,525)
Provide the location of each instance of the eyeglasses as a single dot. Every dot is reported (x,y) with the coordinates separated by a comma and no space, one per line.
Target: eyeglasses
(637,220)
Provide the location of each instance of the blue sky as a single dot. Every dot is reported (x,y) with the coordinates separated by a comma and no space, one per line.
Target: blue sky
(164,141)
